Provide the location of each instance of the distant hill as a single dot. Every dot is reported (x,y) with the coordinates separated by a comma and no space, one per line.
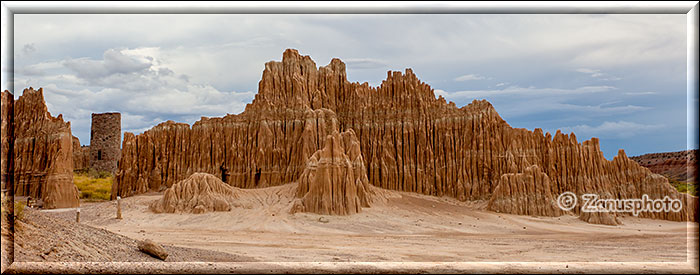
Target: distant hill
(678,166)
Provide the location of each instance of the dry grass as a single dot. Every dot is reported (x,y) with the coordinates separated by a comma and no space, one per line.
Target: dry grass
(93,186)
(19,210)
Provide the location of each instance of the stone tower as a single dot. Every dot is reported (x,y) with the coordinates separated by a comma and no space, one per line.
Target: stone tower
(105,141)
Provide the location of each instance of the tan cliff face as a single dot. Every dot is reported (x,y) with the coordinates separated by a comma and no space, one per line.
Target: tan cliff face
(409,141)
(43,153)
(334,180)
(81,155)
(526,193)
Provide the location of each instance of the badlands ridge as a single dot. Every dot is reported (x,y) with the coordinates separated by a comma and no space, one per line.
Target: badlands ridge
(339,144)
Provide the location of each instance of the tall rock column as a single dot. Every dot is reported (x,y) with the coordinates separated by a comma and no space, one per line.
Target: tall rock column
(335,180)
(81,155)
(43,150)
(526,193)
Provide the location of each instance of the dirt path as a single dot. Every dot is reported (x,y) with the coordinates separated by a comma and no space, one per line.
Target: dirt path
(402,227)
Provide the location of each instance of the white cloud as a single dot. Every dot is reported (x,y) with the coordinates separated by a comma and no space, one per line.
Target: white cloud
(469,77)
(515,101)
(364,63)
(114,62)
(597,74)
(40,68)
(131,81)
(593,73)
(587,71)
(529,91)
(612,129)
(439,93)
(640,93)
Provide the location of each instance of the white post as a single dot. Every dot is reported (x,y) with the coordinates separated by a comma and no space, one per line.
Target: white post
(119,207)
(77,215)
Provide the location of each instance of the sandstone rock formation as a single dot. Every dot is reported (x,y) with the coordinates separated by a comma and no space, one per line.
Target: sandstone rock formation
(526,193)
(199,193)
(411,141)
(81,155)
(256,150)
(335,178)
(43,153)
(679,166)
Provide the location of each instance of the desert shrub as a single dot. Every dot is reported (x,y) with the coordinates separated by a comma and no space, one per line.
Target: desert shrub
(81,170)
(95,174)
(685,187)
(19,210)
(87,194)
(688,188)
(104,175)
(94,186)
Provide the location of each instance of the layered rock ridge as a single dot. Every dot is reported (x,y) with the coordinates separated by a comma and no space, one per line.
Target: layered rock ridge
(410,141)
(81,155)
(679,166)
(43,153)
(526,193)
(248,150)
(334,181)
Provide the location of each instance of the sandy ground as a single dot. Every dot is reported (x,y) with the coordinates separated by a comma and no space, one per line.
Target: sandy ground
(403,227)
(42,238)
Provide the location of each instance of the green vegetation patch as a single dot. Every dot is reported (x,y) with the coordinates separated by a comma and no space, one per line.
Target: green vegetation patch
(685,187)
(19,210)
(93,185)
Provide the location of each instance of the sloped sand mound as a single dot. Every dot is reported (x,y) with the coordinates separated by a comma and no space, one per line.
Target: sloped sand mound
(199,193)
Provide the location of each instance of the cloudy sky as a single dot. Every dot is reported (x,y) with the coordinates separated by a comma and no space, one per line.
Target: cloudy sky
(621,78)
